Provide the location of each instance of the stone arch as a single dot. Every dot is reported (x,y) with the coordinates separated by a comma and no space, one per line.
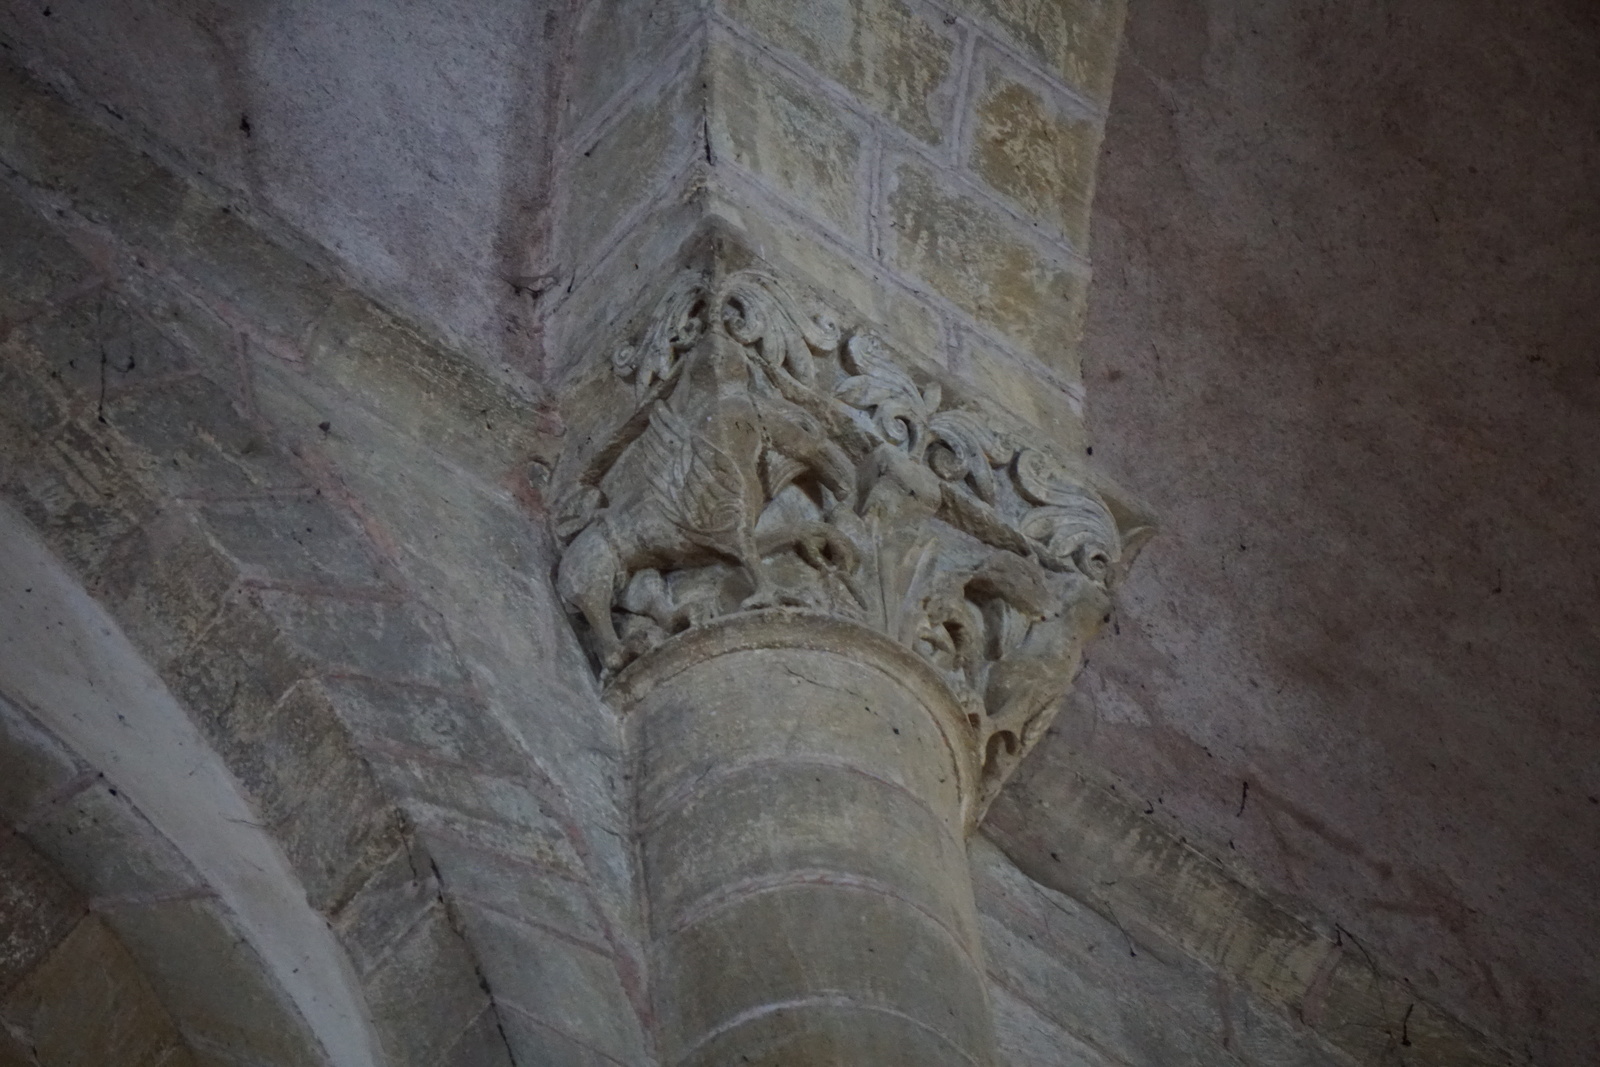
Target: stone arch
(136,854)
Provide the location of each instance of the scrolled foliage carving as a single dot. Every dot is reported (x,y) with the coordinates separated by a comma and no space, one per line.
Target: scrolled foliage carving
(754,454)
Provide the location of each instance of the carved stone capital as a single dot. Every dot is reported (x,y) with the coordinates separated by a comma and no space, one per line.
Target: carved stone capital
(745,451)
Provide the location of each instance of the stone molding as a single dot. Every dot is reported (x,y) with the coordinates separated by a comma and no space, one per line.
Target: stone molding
(746,451)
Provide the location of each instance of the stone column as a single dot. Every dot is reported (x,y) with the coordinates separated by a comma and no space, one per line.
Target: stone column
(836,600)
(804,790)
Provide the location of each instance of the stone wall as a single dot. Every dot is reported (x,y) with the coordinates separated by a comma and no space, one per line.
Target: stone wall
(318,525)
(928,166)
(1343,334)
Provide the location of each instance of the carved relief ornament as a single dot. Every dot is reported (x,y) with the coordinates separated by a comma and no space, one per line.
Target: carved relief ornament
(747,453)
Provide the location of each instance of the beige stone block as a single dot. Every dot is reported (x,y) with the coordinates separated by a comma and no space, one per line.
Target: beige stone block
(548,977)
(216,987)
(848,280)
(631,161)
(425,992)
(608,287)
(1036,148)
(500,813)
(772,820)
(431,396)
(977,257)
(761,952)
(620,41)
(89,1004)
(32,763)
(898,60)
(793,138)
(1024,392)
(1076,40)
(37,910)
(881,730)
(821,1033)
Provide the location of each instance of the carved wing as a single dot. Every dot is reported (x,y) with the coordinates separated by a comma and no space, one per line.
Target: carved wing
(695,483)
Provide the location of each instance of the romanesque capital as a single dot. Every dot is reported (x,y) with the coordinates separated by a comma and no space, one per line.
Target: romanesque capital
(749,452)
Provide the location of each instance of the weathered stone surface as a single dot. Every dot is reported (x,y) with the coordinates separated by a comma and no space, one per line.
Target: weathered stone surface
(424,994)
(100,343)
(1082,975)
(1019,386)
(334,821)
(283,739)
(13,1053)
(379,636)
(365,358)
(1175,900)
(203,441)
(898,59)
(73,488)
(534,1040)
(502,813)
(516,884)
(1028,1039)
(32,763)
(631,160)
(223,91)
(484,1043)
(763,741)
(392,901)
(39,263)
(38,909)
(1075,39)
(89,1004)
(211,981)
(620,43)
(433,722)
(298,539)
(762,120)
(981,260)
(549,977)
(1036,147)
(107,848)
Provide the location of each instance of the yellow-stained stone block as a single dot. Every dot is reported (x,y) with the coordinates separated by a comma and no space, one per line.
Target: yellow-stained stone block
(976,257)
(88,1003)
(798,141)
(862,286)
(1021,392)
(1076,40)
(1037,150)
(898,61)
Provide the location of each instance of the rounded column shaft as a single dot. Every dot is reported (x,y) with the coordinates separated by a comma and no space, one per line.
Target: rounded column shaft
(803,791)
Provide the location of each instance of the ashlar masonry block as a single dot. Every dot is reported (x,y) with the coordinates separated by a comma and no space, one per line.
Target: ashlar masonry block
(1036,147)
(897,58)
(800,142)
(1077,40)
(980,259)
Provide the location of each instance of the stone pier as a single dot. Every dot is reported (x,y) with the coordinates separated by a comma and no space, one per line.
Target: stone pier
(835,602)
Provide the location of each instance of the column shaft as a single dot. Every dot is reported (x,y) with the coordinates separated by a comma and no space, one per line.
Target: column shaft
(803,794)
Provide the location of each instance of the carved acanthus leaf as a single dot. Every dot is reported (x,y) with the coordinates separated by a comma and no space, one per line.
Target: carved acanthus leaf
(765,457)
